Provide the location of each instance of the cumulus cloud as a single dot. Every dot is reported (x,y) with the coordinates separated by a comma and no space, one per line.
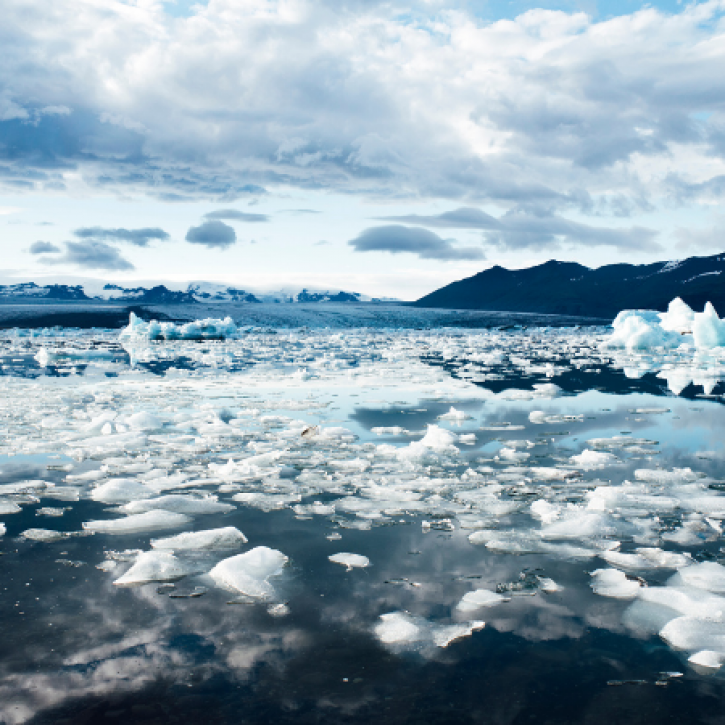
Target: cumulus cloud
(138,237)
(236,216)
(397,239)
(550,105)
(212,234)
(43,248)
(91,254)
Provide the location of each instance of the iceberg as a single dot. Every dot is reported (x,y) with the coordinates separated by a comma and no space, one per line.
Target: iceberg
(708,330)
(639,330)
(208,329)
(249,573)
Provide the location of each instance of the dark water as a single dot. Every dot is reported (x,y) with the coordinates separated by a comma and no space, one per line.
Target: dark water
(77,649)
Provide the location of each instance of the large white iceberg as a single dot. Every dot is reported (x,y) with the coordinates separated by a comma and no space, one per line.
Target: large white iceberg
(208,329)
(647,329)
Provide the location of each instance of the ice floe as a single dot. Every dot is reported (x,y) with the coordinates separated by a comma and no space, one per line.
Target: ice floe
(227,537)
(351,561)
(152,566)
(249,573)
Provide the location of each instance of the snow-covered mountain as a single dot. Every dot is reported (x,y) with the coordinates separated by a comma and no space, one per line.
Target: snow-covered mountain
(207,292)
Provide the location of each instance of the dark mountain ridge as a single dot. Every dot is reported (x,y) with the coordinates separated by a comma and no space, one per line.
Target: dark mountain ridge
(573,289)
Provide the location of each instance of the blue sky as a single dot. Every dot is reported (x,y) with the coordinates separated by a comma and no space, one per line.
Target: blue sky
(387,148)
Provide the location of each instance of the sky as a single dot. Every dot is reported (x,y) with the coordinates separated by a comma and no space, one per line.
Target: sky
(379,147)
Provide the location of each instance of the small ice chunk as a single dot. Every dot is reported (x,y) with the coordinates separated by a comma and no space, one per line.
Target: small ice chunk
(590,460)
(180,503)
(121,491)
(690,633)
(45,535)
(706,575)
(614,583)
(651,558)
(391,430)
(9,507)
(228,537)
(397,628)
(148,521)
(511,454)
(144,421)
(152,566)
(707,658)
(249,573)
(579,525)
(3,529)
(455,416)
(479,598)
(546,512)
(439,439)
(350,560)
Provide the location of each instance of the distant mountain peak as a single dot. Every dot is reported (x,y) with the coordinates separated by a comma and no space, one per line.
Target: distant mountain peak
(570,288)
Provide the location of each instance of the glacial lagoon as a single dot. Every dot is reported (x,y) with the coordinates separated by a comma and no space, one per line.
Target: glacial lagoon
(364,525)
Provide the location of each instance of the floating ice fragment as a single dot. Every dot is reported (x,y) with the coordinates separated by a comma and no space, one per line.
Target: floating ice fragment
(647,559)
(546,512)
(707,658)
(688,601)
(121,491)
(511,454)
(455,416)
(677,475)
(45,535)
(9,507)
(136,523)
(614,583)
(179,503)
(228,537)
(152,566)
(690,633)
(249,573)
(144,421)
(393,430)
(479,598)
(591,460)
(3,529)
(706,575)
(350,560)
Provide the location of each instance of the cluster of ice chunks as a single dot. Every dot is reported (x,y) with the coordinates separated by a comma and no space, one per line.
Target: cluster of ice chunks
(647,329)
(208,329)
(147,433)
